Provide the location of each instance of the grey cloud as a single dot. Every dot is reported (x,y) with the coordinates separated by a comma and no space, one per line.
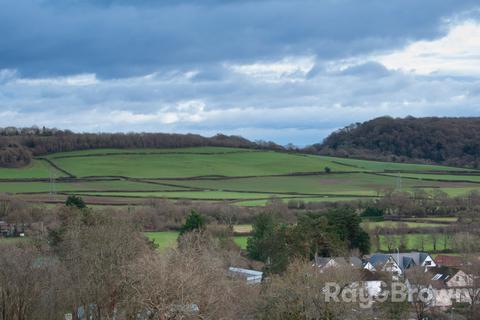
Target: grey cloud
(164,65)
(372,69)
(124,38)
(302,112)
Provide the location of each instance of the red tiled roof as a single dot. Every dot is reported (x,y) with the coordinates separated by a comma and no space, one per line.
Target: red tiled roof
(449,261)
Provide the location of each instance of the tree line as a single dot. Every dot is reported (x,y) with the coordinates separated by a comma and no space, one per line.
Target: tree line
(19,145)
(164,214)
(451,141)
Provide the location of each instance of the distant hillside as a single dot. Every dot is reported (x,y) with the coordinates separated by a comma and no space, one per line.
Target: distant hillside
(19,145)
(452,141)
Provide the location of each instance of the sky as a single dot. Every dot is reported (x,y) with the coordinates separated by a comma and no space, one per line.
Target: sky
(285,71)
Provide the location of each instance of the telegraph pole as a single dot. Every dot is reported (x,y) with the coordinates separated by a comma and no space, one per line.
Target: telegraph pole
(399,182)
(52,188)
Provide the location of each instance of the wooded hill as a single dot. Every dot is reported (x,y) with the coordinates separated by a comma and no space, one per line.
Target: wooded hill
(451,141)
(19,145)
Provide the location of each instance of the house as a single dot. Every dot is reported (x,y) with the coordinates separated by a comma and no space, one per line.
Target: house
(383,262)
(372,282)
(326,262)
(448,285)
(250,276)
(397,263)
(368,266)
(11,230)
(448,261)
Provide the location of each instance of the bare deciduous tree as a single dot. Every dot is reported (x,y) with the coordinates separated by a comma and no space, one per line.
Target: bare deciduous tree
(419,287)
(300,293)
(190,282)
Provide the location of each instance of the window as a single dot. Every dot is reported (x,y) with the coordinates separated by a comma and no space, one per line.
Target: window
(437,276)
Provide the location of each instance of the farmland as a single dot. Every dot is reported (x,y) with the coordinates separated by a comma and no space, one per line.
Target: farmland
(417,242)
(168,239)
(414,241)
(242,177)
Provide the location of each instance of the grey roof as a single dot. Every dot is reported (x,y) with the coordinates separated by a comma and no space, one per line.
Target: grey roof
(251,276)
(246,271)
(356,262)
(404,260)
(410,259)
(353,261)
(322,261)
(378,259)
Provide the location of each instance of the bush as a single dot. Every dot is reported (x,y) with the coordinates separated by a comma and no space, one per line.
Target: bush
(195,221)
(372,212)
(74,201)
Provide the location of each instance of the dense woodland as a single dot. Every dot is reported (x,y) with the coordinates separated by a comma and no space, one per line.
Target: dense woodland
(19,145)
(451,141)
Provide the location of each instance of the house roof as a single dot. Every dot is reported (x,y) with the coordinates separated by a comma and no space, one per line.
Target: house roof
(322,261)
(378,259)
(404,260)
(449,261)
(247,272)
(367,275)
(352,261)
(441,275)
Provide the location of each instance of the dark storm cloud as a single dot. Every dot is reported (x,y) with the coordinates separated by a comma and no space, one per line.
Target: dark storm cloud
(123,38)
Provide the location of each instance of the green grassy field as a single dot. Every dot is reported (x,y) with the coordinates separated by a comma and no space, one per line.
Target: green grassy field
(342,183)
(389,166)
(241,241)
(440,177)
(243,177)
(117,185)
(396,224)
(37,169)
(164,239)
(168,239)
(201,195)
(188,165)
(439,219)
(413,242)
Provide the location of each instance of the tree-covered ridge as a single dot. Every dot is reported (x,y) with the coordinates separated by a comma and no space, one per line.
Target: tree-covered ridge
(452,141)
(19,145)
